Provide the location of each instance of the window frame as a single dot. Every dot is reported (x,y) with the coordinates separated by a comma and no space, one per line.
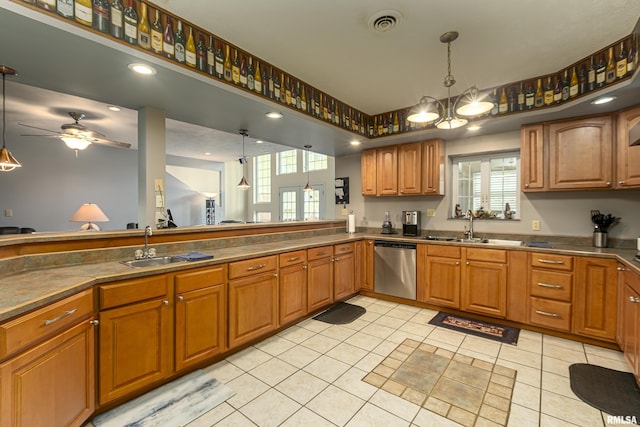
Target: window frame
(291,164)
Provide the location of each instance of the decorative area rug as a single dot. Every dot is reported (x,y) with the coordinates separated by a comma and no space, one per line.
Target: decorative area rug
(341,313)
(611,391)
(492,331)
(174,404)
(463,389)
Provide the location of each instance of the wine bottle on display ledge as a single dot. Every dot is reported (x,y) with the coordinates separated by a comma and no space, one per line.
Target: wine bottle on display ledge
(621,62)
(251,81)
(611,67)
(116,19)
(100,10)
(201,54)
(179,42)
(131,24)
(257,78)
(227,64)
(83,13)
(244,73)
(168,40)
(49,5)
(144,35)
(190,50)
(235,68)
(156,34)
(219,60)
(65,8)
(211,57)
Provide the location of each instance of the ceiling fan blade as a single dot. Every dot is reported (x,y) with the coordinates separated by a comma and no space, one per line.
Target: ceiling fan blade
(91,134)
(35,127)
(110,142)
(40,136)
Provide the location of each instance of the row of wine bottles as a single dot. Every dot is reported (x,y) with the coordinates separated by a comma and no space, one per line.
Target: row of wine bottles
(190,47)
(134,26)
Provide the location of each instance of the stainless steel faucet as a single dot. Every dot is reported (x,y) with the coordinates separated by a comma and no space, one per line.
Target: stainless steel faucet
(147,233)
(469,232)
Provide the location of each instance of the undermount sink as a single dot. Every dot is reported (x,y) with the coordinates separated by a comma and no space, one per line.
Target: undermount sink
(152,262)
(503,242)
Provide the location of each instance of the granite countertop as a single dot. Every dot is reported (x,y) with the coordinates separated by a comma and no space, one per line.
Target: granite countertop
(31,289)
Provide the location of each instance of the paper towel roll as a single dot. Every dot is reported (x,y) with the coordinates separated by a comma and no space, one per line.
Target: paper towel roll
(351,223)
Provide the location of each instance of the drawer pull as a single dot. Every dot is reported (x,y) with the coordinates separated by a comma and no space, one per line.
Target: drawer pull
(62,316)
(345,249)
(550,261)
(634,299)
(256,267)
(544,313)
(180,298)
(165,302)
(294,258)
(549,285)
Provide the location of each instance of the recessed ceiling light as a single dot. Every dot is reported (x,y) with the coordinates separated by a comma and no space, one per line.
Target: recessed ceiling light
(274,115)
(473,128)
(603,100)
(114,108)
(144,69)
(207,153)
(354,142)
(259,141)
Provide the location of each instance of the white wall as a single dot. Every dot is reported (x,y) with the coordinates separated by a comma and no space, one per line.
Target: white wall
(563,213)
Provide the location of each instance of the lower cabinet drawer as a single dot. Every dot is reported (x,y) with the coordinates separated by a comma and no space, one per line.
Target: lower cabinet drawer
(551,284)
(550,314)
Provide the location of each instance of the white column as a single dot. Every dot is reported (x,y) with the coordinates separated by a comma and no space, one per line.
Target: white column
(151,165)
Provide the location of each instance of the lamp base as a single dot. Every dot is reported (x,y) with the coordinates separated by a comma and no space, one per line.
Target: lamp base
(89,226)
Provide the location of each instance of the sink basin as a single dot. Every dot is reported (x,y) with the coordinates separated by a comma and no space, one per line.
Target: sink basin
(152,262)
(441,238)
(503,242)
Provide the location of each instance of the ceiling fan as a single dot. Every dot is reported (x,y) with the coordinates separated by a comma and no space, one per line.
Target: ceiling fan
(77,136)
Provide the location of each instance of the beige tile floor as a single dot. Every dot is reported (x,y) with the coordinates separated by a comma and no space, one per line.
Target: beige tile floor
(311,374)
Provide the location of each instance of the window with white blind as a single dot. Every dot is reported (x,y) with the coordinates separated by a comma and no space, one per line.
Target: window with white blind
(287,162)
(316,161)
(487,182)
(262,177)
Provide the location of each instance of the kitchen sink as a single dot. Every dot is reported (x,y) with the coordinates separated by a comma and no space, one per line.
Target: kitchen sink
(503,242)
(152,262)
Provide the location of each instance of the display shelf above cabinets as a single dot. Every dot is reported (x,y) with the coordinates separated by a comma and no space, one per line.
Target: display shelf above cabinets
(144,26)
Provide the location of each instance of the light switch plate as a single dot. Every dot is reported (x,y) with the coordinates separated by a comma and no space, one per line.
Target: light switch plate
(8,212)
(431,212)
(535,225)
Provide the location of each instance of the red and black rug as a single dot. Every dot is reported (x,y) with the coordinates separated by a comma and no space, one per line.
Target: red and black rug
(492,331)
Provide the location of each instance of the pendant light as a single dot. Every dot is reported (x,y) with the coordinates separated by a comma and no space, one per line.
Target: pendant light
(308,187)
(243,184)
(7,161)
(469,103)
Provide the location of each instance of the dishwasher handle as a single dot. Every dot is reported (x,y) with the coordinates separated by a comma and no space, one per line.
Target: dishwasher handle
(398,245)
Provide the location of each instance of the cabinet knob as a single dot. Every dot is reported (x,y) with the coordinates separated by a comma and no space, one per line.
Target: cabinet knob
(165,302)
(468,263)
(634,299)
(275,274)
(457,262)
(94,322)
(526,186)
(180,298)
(622,269)
(336,259)
(621,182)
(305,266)
(608,183)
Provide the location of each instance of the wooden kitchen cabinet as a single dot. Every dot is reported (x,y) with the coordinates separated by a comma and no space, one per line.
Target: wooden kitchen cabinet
(432,167)
(532,157)
(484,281)
(387,171)
(135,345)
(344,271)
(627,158)
(320,277)
(369,166)
(368,266)
(200,315)
(630,303)
(51,382)
(550,290)
(292,293)
(439,275)
(596,298)
(410,168)
(253,299)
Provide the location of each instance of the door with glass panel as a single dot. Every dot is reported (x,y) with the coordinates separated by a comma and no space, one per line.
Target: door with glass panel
(299,205)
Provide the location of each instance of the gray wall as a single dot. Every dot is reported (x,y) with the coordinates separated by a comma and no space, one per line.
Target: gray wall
(564,213)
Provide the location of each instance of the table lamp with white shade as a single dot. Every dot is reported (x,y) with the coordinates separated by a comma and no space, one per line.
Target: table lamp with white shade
(89,213)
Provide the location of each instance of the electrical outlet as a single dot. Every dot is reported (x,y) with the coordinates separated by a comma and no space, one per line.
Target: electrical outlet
(8,212)
(535,225)
(345,212)
(431,212)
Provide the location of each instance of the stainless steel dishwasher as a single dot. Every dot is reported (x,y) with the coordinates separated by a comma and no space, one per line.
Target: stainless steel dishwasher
(395,268)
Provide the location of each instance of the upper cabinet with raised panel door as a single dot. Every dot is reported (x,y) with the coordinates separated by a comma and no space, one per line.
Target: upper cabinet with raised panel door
(568,155)
(627,158)
(410,169)
(387,171)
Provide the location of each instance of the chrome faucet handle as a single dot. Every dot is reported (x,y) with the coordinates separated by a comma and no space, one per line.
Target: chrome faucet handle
(139,253)
(151,253)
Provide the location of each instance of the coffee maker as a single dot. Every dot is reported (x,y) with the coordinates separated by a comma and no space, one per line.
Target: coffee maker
(410,223)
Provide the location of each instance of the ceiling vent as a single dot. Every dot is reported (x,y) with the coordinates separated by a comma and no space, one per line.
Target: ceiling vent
(384,21)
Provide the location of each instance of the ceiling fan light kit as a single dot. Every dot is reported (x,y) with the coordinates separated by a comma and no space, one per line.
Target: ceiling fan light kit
(470,103)
(7,161)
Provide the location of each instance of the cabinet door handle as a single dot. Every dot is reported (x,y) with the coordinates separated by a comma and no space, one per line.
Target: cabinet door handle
(256,267)
(180,298)
(549,285)
(544,313)
(294,258)
(62,316)
(634,299)
(275,274)
(622,269)
(94,322)
(321,253)
(336,259)
(345,249)
(457,262)
(305,266)
(621,182)
(550,261)
(165,302)
(468,263)
(608,183)
(526,186)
